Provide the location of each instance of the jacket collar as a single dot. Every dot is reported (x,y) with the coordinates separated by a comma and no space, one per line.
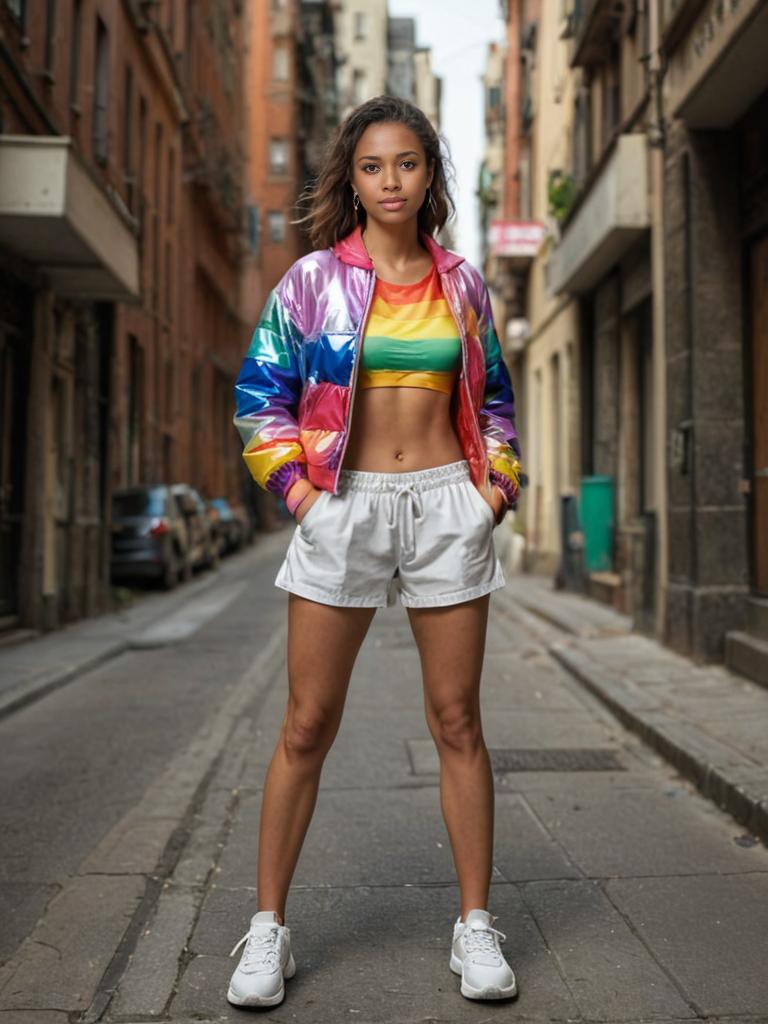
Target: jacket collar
(351,250)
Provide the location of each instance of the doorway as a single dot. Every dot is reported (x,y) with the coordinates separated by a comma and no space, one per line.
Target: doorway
(14,387)
(758,317)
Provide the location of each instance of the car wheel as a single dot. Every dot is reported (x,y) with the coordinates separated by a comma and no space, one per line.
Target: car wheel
(170,573)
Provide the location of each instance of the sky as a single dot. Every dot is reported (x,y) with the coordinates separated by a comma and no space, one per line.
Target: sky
(458,33)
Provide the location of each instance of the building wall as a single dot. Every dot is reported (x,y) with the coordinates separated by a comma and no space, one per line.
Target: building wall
(401,72)
(361,41)
(140,391)
(427,91)
(709,572)
(552,355)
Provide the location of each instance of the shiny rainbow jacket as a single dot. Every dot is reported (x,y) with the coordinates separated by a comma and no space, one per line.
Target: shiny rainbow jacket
(295,389)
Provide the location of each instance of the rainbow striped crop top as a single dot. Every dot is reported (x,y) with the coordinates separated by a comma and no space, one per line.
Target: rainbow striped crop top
(411,339)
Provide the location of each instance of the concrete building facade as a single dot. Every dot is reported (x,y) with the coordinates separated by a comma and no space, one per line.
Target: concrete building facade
(361,43)
(715,195)
(603,257)
(646,365)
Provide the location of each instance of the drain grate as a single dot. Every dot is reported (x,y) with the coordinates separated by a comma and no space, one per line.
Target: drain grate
(572,759)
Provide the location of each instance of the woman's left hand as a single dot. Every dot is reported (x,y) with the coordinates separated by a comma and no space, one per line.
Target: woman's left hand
(497,501)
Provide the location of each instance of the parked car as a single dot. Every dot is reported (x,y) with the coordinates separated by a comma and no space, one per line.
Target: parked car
(149,536)
(247,522)
(203,545)
(227,526)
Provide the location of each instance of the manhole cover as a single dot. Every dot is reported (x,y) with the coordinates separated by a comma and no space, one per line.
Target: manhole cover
(572,759)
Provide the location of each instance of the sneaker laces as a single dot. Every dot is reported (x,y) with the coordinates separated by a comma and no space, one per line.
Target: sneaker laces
(260,950)
(480,940)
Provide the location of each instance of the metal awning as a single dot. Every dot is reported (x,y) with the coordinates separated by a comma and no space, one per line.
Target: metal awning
(57,216)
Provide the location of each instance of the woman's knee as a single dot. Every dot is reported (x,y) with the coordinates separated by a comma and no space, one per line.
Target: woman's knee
(308,731)
(458,728)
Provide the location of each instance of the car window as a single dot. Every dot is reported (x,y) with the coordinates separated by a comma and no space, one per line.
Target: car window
(139,503)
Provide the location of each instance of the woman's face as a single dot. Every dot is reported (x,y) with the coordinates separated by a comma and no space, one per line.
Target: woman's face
(390,172)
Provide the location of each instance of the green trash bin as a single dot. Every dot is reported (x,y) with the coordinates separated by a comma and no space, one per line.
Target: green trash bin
(596,515)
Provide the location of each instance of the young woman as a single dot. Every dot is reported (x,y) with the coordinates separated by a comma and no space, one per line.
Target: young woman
(374,399)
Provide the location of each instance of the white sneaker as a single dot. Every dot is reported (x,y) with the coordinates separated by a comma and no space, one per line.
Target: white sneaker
(267,959)
(477,957)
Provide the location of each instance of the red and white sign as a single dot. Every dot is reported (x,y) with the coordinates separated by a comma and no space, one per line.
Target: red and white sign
(515,237)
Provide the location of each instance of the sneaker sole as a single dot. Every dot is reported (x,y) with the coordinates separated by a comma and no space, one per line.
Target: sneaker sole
(489,992)
(278,997)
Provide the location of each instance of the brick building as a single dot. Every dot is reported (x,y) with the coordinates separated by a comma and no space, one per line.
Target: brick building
(120,241)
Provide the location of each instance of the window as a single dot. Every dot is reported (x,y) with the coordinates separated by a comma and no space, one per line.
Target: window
(168,281)
(158,164)
(101,94)
(359,86)
(128,121)
(278,156)
(18,9)
(74,51)
(254,226)
(170,207)
(361,24)
(276,220)
(50,35)
(142,157)
(280,65)
(494,97)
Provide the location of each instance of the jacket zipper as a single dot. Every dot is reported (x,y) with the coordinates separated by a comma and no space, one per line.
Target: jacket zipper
(358,351)
(462,331)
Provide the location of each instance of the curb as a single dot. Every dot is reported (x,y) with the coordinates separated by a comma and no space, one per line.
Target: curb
(27,693)
(729,781)
(720,773)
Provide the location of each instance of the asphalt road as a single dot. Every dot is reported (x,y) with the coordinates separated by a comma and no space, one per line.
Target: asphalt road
(74,763)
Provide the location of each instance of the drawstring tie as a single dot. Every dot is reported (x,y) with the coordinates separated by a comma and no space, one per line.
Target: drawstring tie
(412,513)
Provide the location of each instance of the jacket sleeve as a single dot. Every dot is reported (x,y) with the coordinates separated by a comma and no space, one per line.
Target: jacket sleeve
(497,413)
(267,393)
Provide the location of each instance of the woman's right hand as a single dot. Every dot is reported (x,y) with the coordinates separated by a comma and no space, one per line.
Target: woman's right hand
(307,504)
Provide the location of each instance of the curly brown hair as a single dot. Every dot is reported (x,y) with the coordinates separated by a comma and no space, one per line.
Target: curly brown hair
(331,215)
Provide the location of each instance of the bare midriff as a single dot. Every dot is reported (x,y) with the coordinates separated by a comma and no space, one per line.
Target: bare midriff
(401,429)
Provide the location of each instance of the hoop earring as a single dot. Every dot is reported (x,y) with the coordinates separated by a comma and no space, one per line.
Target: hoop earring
(356,202)
(431,202)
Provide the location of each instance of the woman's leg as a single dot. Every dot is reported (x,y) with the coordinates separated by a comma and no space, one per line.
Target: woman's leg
(451,642)
(323,642)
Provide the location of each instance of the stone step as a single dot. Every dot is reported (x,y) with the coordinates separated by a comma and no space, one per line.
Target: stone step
(606,587)
(747,654)
(757,616)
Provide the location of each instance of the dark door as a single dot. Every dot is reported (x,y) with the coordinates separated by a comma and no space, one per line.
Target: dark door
(14,378)
(759,329)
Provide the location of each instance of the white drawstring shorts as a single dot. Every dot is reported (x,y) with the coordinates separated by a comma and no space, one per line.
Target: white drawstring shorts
(427,534)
